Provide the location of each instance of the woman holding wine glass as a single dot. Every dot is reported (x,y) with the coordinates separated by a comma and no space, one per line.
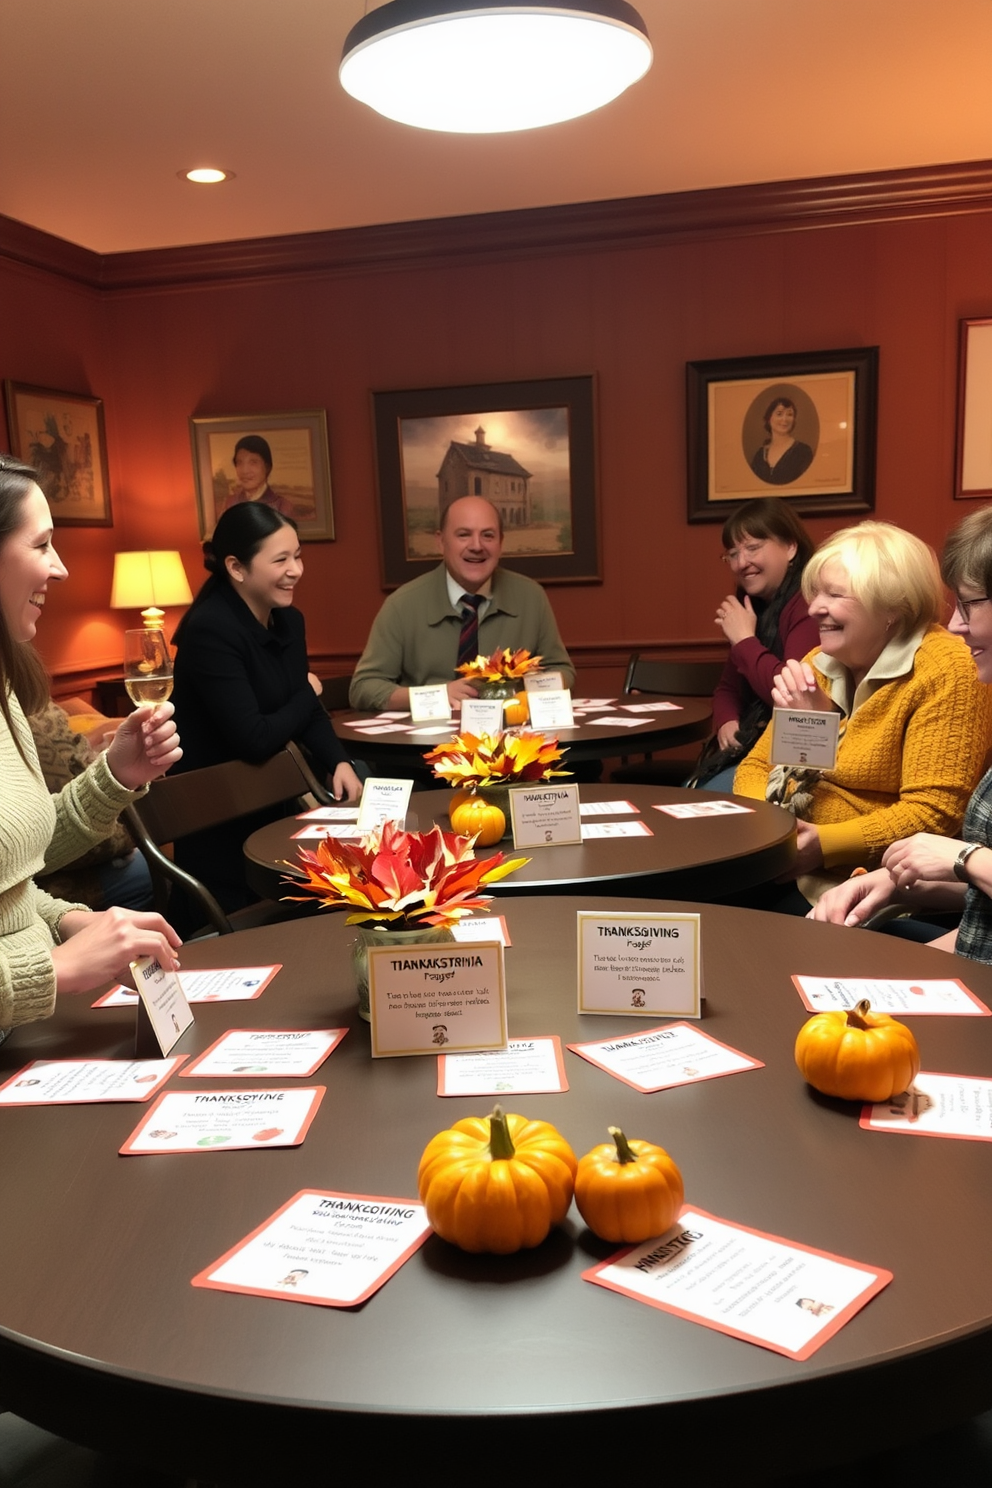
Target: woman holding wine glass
(46,944)
(242,689)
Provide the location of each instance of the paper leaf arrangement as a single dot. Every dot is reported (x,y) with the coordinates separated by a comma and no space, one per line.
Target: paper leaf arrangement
(502,666)
(481,760)
(403,880)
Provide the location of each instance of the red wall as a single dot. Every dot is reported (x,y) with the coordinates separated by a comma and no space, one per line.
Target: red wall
(633,317)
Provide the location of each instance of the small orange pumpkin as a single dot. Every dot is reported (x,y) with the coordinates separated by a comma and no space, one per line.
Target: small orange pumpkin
(857,1055)
(516,710)
(496,1183)
(628,1191)
(475,817)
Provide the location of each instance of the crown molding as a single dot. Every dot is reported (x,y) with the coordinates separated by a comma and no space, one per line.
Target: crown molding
(634,222)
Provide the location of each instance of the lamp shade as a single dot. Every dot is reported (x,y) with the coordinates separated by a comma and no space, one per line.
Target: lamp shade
(145,581)
(492,66)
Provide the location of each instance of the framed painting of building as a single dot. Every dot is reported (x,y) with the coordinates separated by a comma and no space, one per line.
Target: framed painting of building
(973,466)
(281,459)
(526,447)
(800,427)
(62,436)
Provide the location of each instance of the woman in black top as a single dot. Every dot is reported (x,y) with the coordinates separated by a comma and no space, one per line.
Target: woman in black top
(242,687)
(782,458)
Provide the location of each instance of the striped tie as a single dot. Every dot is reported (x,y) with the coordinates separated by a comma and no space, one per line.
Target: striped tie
(468,640)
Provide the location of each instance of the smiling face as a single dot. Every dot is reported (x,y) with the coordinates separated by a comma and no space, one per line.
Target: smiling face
(853,635)
(268,581)
(782,419)
(470,542)
(252,472)
(761,565)
(28,564)
(975,629)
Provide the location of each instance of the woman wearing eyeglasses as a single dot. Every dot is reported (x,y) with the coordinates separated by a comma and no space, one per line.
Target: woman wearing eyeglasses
(766,622)
(927,874)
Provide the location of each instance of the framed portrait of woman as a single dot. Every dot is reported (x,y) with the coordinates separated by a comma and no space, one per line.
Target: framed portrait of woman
(799,426)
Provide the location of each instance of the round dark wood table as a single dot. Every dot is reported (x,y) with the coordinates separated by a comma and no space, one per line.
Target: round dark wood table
(699,858)
(497,1360)
(688,721)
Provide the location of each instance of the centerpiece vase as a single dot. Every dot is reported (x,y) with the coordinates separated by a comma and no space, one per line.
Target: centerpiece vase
(379,935)
(499,795)
(504,688)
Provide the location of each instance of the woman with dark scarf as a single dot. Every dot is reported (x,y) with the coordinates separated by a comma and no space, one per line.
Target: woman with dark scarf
(766,622)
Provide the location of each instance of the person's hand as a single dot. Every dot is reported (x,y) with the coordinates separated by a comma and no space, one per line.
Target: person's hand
(98,948)
(144,746)
(736,620)
(315,683)
(856,900)
(459,690)
(345,783)
(809,853)
(726,734)
(923,856)
(795,686)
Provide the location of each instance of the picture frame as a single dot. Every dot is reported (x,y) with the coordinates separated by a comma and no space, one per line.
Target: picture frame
(973,454)
(826,466)
(61,434)
(298,482)
(528,447)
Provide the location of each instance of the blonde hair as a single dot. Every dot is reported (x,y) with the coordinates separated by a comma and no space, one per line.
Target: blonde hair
(885,568)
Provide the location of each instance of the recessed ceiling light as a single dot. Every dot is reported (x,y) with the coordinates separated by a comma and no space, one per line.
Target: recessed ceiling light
(206,175)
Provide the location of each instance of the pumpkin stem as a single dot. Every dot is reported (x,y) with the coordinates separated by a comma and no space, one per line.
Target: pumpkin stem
(856,1016)
(624,1152)
(501,1146)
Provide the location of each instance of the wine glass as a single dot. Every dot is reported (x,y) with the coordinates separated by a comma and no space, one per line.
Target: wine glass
(147,666)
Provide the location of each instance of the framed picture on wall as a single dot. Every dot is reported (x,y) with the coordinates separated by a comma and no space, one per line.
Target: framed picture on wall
(62,436)
(801,427)
(527,447)
(281,459)
(973,477)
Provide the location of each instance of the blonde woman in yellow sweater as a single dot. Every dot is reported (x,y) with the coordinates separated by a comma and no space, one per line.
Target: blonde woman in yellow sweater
(916,722)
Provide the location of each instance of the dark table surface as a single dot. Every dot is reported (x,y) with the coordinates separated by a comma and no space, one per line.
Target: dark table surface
(702,857)
(103,1338)
(589,740)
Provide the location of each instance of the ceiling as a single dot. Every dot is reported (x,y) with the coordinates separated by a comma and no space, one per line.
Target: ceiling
(108,101)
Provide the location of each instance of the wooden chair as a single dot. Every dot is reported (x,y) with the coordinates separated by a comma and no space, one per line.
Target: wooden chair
(680,679)
(180,804)
(335,694)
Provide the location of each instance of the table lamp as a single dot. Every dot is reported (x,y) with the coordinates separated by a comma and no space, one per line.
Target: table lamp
(145,581)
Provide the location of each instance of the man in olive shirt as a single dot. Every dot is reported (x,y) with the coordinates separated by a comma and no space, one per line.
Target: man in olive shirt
(416,635)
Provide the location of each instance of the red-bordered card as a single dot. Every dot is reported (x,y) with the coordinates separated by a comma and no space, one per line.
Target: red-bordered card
(224,984)
(664,1057)
(942,997)
(265,1053)
(591,830)
(332,1249)
(718,1273)
(936,1105)
(65,1082)
(525,1067)
(224,1121)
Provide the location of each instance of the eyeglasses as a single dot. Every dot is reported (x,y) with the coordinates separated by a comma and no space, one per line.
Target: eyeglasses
(964,607)
(746,550)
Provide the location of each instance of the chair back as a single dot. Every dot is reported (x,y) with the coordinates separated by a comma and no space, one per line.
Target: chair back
(177,805)
(335,694)
(681,678)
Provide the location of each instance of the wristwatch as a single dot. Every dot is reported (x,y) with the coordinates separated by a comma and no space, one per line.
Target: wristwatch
(962,858)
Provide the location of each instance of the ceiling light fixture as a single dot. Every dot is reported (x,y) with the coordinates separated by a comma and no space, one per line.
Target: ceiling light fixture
(491,66)
(206,175)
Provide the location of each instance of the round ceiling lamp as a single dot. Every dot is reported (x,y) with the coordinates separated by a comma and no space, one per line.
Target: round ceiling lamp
(492,66)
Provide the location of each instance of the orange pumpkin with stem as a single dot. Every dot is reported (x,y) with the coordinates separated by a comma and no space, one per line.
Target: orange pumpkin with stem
(475,816)
(516,710)
(496,1183)
(628,1190)
(858,1054)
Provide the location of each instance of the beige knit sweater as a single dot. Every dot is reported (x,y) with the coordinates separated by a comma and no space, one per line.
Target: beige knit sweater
(38,831)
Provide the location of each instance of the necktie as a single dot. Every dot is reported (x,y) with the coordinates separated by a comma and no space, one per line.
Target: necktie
(468,640)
